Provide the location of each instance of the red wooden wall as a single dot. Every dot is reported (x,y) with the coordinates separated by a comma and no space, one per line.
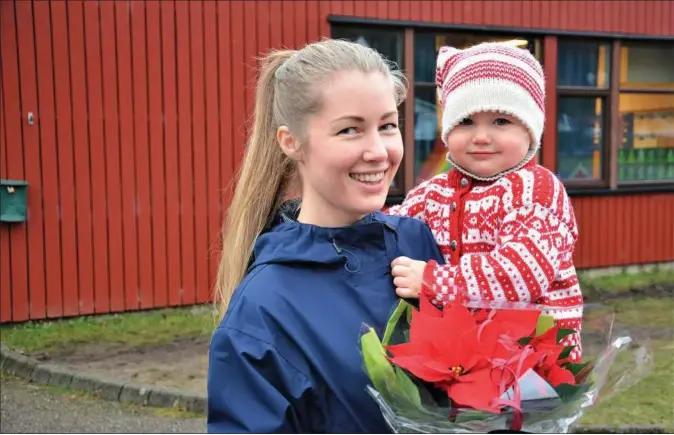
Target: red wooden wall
(141,109)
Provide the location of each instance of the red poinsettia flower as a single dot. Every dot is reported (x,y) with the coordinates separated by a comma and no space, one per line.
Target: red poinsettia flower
(550,367)
(474,362)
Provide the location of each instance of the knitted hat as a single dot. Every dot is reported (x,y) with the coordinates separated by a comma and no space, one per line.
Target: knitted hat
(492,76)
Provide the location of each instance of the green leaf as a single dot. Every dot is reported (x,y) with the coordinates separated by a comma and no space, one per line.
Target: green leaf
(581,371)
(544,323)
(393,320)
(563,332)
(575,368)
(566,352)
(390,381)
(378,368)
(408,391)
(524,340)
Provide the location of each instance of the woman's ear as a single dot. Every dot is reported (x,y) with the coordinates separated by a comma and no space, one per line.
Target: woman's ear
(289,144)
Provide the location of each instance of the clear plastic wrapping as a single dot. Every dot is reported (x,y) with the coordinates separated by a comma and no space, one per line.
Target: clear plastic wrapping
(523,379)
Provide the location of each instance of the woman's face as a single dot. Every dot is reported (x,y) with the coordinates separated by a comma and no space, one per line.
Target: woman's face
(488,143)
(352,151)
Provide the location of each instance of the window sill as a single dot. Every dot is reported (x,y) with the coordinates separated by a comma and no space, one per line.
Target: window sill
(623,190)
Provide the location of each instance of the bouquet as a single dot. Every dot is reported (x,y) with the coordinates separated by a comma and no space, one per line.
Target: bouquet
(481,367)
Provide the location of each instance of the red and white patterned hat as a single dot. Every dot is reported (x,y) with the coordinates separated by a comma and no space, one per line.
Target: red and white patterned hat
(492,76)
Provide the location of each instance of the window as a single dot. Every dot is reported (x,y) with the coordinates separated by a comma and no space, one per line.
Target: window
(429,150)
(583,80)
(390,44)
(646,107)
(633,95)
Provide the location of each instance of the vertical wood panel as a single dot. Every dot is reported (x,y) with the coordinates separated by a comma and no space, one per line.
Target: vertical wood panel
(186,175)
(81,147)
(14,291)
(213,143)
(155,83)
(127,154)
(47,125)
(312,20)
(64,145)
(200,208)
(25,137)
(111,145)
(5,254)
(99,163)
(169,60)
(301,23)
(238,79)
(227,135)
(144,213)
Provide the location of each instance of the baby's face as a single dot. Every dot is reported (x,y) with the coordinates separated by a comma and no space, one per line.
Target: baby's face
(488,143)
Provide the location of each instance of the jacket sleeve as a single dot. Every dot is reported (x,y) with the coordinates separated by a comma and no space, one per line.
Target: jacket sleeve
(532,243)
(252,388)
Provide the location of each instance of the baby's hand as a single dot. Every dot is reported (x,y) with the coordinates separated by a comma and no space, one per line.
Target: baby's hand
(407,276)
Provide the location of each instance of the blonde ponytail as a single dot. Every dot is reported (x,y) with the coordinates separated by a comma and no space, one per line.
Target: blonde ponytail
(259,188)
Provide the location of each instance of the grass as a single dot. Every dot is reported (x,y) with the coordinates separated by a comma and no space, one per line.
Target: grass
(650,400)
(126,330)
(623,282)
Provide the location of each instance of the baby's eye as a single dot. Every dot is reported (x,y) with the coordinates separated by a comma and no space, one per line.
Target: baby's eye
(466,121)
(348,130)
(501,121)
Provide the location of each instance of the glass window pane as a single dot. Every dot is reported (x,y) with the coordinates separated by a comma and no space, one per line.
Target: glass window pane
(647,66)
(580,139)
(429,150)
(582,63)
(387,42)
(647,148)
(427,45)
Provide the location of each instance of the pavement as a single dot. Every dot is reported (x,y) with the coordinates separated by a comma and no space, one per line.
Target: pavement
(32,408)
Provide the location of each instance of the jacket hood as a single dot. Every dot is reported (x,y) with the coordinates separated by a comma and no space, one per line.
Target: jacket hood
(286,241)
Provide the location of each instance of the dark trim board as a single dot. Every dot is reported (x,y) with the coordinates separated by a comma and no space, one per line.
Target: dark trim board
(340,19)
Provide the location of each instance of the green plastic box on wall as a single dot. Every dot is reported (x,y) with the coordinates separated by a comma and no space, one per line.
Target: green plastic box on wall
(13,200)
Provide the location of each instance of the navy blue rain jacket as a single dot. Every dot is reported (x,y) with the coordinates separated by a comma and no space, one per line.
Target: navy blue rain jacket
(286,358)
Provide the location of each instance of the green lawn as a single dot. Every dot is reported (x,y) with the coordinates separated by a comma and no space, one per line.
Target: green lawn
(126,330)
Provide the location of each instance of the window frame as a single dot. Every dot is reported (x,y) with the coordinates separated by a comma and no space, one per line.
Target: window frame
(611,142)
(615,70)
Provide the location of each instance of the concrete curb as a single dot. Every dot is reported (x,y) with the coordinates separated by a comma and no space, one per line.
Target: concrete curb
(14,363)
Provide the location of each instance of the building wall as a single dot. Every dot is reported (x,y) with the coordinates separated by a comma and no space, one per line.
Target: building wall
(140,119)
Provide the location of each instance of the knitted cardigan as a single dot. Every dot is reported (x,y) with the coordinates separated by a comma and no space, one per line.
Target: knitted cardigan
(511,239)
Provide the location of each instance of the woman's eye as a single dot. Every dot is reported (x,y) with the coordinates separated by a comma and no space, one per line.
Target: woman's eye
(466,121)
(501,121)
(389,127)
(348,130)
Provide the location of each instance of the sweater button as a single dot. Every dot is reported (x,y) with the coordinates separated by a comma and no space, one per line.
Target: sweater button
(453,245)
(453,206)
(464,182)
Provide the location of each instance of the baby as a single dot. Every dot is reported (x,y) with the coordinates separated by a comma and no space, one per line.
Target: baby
(504,224)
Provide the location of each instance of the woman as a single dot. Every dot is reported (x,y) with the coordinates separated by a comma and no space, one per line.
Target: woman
(297,281)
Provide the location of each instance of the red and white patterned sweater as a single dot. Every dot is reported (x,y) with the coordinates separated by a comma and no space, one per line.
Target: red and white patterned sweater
(511,239)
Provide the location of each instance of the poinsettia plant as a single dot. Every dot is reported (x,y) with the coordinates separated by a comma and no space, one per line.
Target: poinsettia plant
(478,369)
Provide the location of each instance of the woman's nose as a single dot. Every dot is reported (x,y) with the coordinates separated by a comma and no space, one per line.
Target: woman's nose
(376,149)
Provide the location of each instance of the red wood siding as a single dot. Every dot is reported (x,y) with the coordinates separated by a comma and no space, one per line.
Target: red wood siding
(141,112)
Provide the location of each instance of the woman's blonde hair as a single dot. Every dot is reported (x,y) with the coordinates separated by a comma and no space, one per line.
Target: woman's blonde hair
(288,92)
